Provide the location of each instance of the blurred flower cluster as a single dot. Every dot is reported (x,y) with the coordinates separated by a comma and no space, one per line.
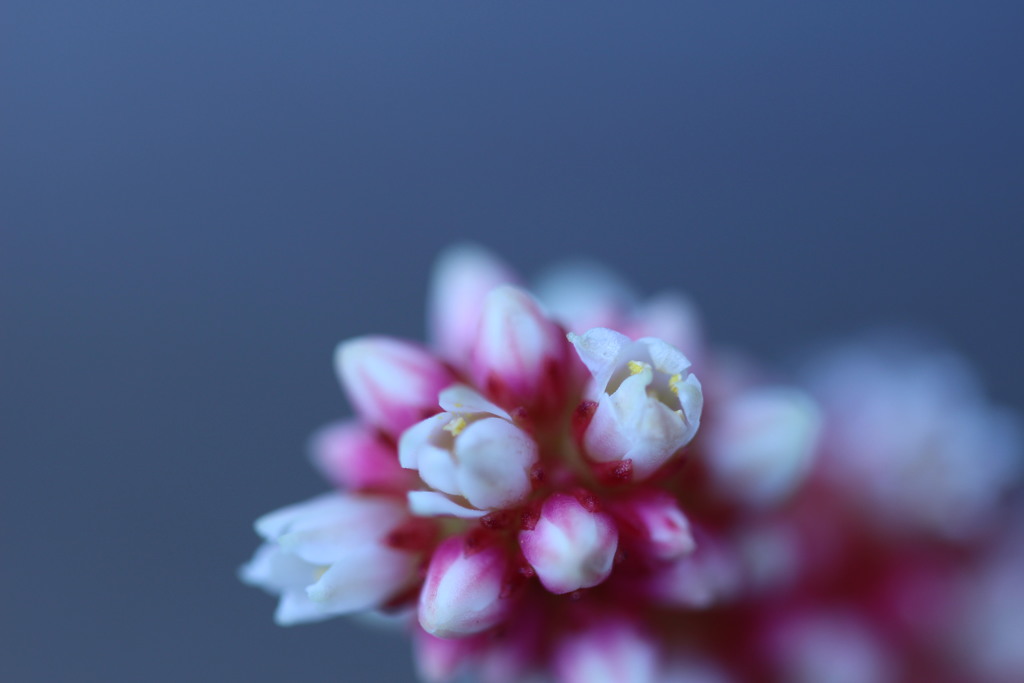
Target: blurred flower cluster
(572,486)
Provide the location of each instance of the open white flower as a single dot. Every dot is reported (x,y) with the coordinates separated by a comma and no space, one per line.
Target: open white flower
(328,556)
(472,452)
(648,401)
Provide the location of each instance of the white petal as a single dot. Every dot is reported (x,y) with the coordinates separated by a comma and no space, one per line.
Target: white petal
(273,524)
(494,458)
(354,520)
(416,438)
(599,350)
(439,470)
(665,357)
(275,571)
(295,607)
(432,504)
(365,578)
(464,400)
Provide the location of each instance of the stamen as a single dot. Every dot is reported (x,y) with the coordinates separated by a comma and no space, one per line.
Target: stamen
(636,367)
(455,426)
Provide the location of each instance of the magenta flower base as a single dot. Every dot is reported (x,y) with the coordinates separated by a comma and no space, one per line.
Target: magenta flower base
(574,487)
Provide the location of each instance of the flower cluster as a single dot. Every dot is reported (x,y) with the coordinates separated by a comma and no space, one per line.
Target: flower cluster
(574,487)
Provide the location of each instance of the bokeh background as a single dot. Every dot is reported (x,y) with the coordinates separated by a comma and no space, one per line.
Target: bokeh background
(199,199)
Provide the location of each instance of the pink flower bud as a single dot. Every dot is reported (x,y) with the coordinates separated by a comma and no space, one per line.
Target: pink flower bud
(659,527)
(353,457)
(761,445)
(648,402)
(392,384)
(519,353)
(471,451)
(609,652)
(463,592)
(571,546)
(462,278)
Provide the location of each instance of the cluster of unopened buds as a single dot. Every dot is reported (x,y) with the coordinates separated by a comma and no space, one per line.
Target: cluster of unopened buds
(550,493)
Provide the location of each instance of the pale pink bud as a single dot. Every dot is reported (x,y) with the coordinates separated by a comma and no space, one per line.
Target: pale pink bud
(608,652)
(648,402)
(463,592)
(462,278)
(571,546)
(707,576)
(353,457)
(585,294)
(511,654)
(471,451)
(761,444)
(439,660)
(392,384)
(329,556)
(657,524)
(913,441)
(833,647)
(518,353)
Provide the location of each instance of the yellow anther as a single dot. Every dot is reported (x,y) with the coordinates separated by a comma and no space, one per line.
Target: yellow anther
(673,383)
(455,426)
(636,367)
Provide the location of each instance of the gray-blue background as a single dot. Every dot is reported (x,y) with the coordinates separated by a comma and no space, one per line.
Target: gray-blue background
(198,199)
